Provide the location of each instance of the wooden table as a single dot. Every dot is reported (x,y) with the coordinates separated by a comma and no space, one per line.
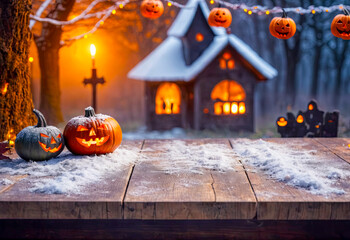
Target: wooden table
(144,200)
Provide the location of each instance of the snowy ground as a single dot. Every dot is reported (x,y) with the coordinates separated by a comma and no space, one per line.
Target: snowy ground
(303,169)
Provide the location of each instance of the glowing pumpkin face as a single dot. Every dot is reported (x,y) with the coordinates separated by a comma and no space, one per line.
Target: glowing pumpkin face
(282,27)
(282,122)
(152,9)
(340,26)
(220,17)
(300,119)
(92,134)
(40,142)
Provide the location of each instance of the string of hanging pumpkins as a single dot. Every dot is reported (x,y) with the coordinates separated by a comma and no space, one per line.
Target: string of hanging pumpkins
(282,27)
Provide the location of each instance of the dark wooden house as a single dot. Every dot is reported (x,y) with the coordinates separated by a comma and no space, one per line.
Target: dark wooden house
(200,77)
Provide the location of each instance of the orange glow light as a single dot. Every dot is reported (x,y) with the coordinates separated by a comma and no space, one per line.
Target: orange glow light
(206,110)
(267,12)
(169,4)
(241,108)
(114,11)
(218,108)
(228,91)
(231,64)
(199,37)
(311,107)
(11,137)
(300,119)
(121,5)
(31,59)
(227,109)
(168,99)
(212,2)
(4,89)
(282,122)
(226,55)
(234,108)
(250,12)
(92,50)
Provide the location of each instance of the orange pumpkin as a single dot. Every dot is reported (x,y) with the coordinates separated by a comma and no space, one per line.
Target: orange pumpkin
(152,9)
(92,134)
(282,27)
(220,17)
(282,122)
(340,26)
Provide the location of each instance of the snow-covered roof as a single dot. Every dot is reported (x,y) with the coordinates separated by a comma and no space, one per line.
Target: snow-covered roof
(185,17)
(167,62)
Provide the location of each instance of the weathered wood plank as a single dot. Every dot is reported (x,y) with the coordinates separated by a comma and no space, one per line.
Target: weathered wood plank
(279,201)
(157,192)
(103,200)
(339,146)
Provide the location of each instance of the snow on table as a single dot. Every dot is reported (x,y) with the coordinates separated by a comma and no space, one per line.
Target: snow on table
(279,179)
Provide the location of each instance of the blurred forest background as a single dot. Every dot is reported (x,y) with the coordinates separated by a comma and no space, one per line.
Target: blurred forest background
(313,64)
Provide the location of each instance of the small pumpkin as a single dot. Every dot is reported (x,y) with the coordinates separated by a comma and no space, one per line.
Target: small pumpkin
(220,17)
(40,142)
(282,27)
(92,134)
(340,26)
(152,9)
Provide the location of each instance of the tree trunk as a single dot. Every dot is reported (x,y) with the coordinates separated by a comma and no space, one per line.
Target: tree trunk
(16,103)
(316,72)
(48,45)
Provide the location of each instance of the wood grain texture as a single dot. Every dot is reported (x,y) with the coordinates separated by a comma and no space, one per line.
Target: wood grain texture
(339,146)
(101,200)
(154,193)
(279,201)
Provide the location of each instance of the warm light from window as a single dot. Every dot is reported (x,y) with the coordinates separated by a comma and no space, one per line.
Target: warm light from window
(311,107)
(229,97)
(228,91)
(92,50)
(234,108)
(226,55)
(242,108)
(231,64)
(206,110)
(168,99)
(199,37)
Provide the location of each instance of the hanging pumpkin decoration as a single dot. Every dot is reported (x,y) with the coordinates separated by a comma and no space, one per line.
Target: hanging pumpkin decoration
(282,27)
(152,9)
(220,17)
(340,26)
(92,134)
(40,142)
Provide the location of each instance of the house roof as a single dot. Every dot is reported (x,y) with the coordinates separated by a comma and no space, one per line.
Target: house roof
(167,63)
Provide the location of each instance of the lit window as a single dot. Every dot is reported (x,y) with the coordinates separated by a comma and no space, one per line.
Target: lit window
(226,61)
(229,97)
(199,37)
(168,99)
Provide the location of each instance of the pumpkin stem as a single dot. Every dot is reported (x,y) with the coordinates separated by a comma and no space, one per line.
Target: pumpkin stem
(41,118)
(284,15)
(89,112)
(346,11)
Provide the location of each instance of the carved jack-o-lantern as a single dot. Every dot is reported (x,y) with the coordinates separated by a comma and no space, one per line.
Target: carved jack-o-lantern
(282,122)
(92,134)
(340,26)
(40,142)
(282,27)
(300,118)
(152,9)
(220,17)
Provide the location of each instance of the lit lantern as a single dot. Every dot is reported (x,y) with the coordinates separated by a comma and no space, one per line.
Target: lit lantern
(40,142)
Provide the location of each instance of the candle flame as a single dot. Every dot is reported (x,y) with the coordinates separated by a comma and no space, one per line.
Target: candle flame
(92,50)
